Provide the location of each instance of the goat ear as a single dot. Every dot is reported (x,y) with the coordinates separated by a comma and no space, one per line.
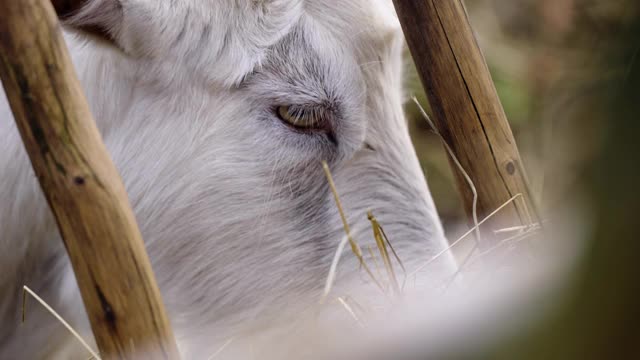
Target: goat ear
(101,18)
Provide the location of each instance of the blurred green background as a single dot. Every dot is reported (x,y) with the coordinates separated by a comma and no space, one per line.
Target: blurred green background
(538,53)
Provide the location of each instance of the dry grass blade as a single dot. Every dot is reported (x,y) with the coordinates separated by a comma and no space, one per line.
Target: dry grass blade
(517,228)
(349,309)
(382,248)
(334,266)
(438,255)
(464,173)
(395,255)
(357,306)
(26,290)
(221,349)
(375,261)
(462,266)
(382,241)
(529,232)
(532,200)
(525,235)
(354,246)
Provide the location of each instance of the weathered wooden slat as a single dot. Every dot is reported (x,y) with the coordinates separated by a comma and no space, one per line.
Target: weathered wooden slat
(466,107)
(81,185)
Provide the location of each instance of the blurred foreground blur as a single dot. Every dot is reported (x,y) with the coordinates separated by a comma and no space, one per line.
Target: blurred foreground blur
(568,73)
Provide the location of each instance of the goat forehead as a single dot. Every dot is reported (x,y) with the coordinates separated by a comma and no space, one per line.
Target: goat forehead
(366,26)
(338,31)
(347,17)
(235,36)
(355,16)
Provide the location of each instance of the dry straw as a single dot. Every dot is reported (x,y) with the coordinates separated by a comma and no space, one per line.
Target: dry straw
(355,248)
(26,290)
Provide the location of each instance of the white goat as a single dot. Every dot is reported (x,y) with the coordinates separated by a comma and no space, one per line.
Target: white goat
(218,114)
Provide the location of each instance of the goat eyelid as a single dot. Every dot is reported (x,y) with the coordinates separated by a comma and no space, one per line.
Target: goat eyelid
(302,118)
(308,119)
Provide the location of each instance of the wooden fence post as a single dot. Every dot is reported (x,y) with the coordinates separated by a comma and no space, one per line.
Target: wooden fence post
(82,186)
(466,107)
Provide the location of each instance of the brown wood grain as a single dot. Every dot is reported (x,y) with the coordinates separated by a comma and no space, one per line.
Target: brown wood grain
(81,185)
(466,107)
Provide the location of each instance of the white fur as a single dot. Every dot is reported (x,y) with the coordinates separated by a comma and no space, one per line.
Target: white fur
(236,213)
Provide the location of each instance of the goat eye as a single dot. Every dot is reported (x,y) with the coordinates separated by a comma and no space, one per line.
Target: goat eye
(298,117)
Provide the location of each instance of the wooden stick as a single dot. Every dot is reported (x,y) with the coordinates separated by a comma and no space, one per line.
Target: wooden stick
(467,110)
(81,185)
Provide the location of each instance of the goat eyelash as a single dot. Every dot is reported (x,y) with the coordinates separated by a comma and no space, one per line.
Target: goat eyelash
(302,118)
(307,120)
